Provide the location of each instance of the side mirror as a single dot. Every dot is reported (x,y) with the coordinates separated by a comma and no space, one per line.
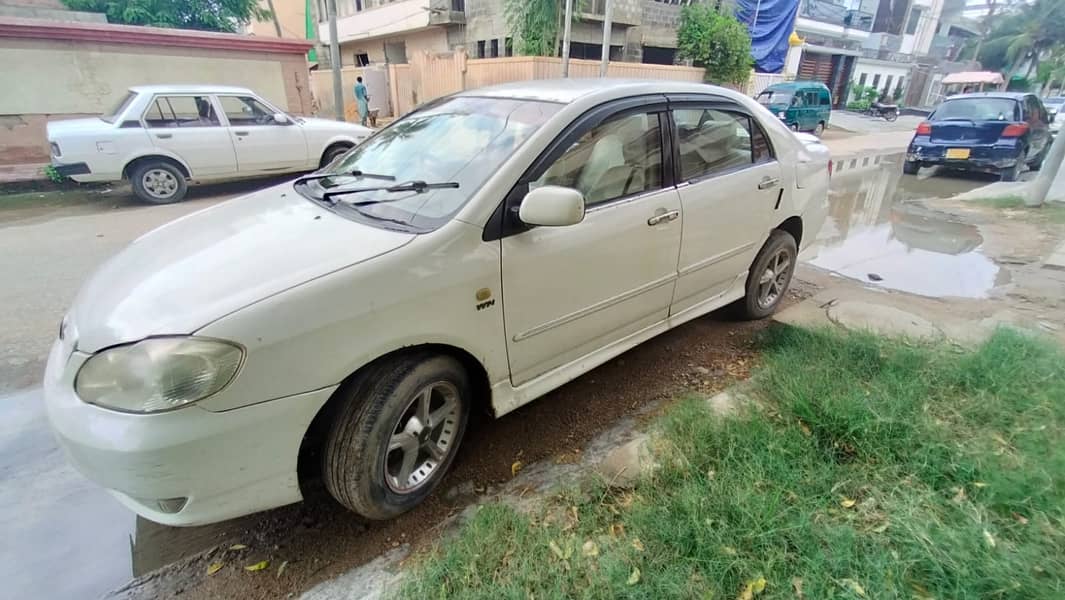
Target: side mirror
(281,119)
(552,206)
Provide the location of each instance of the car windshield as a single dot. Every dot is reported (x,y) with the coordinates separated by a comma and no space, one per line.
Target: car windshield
(462,139)
(119,108)
(978,109)
(768,97)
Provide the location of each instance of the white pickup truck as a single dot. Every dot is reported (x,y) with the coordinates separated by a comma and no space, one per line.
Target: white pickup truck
(160,136)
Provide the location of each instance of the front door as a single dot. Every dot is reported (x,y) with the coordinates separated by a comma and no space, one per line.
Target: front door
(729,185)
(188,127)
(569,291)
(262,144)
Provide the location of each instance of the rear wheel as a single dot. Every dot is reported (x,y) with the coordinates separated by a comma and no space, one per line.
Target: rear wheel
(1013,173)
(769,276)
(396,434)
(891,115)
(158,182)
(1037,164)
(911,167)
(820,129)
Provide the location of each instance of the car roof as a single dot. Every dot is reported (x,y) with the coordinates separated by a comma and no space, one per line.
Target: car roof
(794,85)
(1002,95)
(567,91)
(189,89)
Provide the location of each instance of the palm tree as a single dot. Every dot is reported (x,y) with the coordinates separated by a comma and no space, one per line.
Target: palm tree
(1029,32)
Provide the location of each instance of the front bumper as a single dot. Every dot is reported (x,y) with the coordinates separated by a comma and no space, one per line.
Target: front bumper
(204,466)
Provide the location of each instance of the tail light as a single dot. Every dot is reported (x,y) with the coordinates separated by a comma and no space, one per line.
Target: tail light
(924,128)
(1015,130)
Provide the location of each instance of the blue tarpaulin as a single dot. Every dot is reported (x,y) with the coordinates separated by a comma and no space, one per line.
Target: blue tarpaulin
(769,35)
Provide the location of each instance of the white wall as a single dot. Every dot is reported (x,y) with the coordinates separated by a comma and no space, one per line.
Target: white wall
(872,68)
(380,21)
(427,40)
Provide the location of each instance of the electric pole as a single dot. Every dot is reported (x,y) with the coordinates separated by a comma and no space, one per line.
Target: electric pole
(335,63)
(565,38)
(605,64)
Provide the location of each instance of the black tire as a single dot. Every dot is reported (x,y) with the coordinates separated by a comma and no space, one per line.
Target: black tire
(891,115)
(752,306)
(1013,173)
(910,167)
(332,152)
(158,182)
(1037,164)
(820,129)
(357,462)
(794,126)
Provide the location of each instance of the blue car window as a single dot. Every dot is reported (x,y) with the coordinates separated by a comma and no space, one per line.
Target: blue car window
(978,109)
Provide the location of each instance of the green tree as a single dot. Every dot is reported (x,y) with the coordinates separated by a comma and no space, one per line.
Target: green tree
(1024,35)
(717,42)
(537,24)
(207,15)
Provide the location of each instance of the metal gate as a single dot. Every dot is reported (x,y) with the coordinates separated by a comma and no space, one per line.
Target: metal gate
(833,70)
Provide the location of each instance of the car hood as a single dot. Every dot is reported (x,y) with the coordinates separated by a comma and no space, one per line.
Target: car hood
(76,126)
(192,271)
(352,129)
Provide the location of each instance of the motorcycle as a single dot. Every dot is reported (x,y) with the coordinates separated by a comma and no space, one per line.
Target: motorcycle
(889,112)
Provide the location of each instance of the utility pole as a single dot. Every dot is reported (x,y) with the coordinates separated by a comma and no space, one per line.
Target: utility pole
(335,63)
(1037,191)
(273,15)
(605,65)
(565,38)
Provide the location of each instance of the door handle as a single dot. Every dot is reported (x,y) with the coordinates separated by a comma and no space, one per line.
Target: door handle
(240,133)
(768,183)
(663,216)
(164,136)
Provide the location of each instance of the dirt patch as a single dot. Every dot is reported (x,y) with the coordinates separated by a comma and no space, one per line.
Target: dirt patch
(319,540)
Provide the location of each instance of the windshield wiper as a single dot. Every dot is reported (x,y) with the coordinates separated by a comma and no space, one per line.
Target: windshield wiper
(410,186)
(354,173)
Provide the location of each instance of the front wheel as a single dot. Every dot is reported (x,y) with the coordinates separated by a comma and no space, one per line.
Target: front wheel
(820,129)
(769,276)
(891,115)
(332,153)
(396,434)
(158,182)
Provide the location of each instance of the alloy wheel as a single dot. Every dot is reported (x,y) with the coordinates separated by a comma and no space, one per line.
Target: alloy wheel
(160,183)
(423,437)
(773,280)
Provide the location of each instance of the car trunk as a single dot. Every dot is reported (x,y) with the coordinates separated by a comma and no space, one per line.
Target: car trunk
(967,132)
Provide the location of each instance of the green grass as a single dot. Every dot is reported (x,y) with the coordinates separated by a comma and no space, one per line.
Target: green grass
(874,468)
(1053,212)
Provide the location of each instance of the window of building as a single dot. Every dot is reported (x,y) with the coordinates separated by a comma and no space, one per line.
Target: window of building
(653,55)
(898,87)
(887,84)
(508,46)
(618,158)
(915,19)
(712,141)
(458,5)
(181,111)
(493,49)
(876,81)
(480,48)
(244,110)
(361,59)
(861,78)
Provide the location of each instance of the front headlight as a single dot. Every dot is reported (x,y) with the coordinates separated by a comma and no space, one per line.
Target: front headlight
(157,374)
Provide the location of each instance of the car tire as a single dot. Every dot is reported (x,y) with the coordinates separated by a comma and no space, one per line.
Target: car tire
(1037,164)
(758,302)
(891,116)
(1013,173)
(158,182)
(820,129)
(794,126)
(911,167)
(332,152)
(380,459)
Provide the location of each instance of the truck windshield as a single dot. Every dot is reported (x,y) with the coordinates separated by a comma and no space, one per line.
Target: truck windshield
(462,139)
(774,97)
(120,107)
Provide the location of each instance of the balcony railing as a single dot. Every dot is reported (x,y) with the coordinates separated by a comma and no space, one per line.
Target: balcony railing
(835,14)
(887,55)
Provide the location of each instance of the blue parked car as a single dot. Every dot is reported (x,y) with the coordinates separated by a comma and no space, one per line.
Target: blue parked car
(990,132)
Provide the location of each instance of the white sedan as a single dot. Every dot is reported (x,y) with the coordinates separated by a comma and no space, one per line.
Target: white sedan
(474,255)
(160,136)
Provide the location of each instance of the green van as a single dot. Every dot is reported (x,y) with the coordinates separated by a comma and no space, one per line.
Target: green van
(802,105)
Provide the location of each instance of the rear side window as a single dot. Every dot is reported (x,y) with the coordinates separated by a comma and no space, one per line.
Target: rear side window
(978,109)
(712,141)
(181,111)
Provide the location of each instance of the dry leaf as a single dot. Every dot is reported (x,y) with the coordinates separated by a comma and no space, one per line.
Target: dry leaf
(590,548)
(617,530)
(729,550)
(556,550)
(281,569)
(515,467)
(1020,518)
(880,528)
(237,547)
(847,503)
(990,539)
(214,568)
(752,589)
(920,592)
(259,566)
(637,544)
(979,484)
(853,586)
(796,584)
(806,430)
(634,577)
(959,495)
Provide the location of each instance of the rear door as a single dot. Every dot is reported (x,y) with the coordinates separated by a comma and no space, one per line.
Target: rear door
(261,143)
(187,126)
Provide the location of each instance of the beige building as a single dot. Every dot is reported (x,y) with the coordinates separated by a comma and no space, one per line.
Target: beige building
(291,16)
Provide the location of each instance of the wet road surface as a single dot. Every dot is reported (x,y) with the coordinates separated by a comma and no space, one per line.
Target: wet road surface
(65,538)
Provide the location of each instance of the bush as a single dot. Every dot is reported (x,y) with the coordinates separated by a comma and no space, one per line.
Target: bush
(717,42)
(859,105)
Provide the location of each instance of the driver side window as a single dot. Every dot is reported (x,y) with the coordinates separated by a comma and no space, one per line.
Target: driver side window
(244,110)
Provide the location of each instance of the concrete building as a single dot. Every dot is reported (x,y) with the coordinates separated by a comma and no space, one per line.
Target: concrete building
(834,32)
(373,32)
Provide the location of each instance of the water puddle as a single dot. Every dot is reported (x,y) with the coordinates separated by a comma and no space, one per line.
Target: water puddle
(876,234)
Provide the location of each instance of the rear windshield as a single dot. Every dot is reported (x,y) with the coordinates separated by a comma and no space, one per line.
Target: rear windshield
(119,108)
(774,97)
(978,109)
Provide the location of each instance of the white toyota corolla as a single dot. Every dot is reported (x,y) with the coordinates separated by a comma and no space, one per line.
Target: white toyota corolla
(476,254)
(160,136)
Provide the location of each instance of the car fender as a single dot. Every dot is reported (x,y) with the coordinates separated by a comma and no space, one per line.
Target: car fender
(140,153)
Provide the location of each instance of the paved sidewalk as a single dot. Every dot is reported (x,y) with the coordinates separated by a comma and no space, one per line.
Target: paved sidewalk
(878,143)
(858,123)
(1004,189)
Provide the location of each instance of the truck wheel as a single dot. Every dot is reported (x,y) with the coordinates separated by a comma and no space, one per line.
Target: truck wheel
(769,276)
(396,434)
(158,182)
